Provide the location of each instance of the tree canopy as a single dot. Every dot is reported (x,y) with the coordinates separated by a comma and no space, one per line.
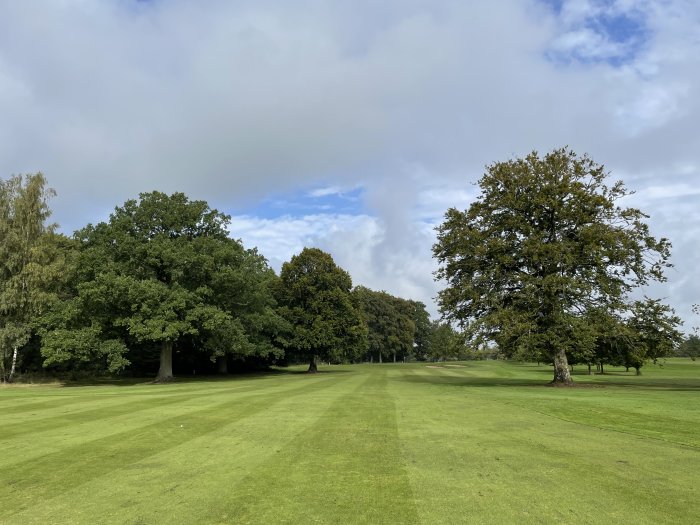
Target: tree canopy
(315,299)
(162,271)
(545,244)
(391,323)
(31,264)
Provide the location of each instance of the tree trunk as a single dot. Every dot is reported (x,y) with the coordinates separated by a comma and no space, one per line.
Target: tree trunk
(602,370)
(639,370)
(589,369)
(14,364)
(561,369)
(380,357)
(222,364)
(394,357)
(165,372)
(312,365)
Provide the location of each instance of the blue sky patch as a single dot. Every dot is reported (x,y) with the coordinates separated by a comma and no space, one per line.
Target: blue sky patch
(607,34)
(310,201)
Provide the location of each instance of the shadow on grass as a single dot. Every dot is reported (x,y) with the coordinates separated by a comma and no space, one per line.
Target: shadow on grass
(471,381)
(189,379)
(617,380)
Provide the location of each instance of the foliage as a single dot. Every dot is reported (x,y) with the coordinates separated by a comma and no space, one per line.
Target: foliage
(690,347)
(162,271)
(390,323)
(32,264)
(445,343)
(545,244)
(655,328)
(423,330)
(315,299)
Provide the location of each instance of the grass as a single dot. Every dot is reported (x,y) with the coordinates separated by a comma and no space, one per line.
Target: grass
(380,444)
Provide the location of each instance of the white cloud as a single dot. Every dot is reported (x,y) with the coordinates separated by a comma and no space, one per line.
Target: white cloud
(325,192)
(233,102)
(358,243)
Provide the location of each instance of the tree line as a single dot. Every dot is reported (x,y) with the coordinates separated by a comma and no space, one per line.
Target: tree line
(161,287)
(545,265)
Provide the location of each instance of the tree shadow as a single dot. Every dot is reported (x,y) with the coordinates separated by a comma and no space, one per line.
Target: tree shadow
(468,381)
(615,379)
(195,379)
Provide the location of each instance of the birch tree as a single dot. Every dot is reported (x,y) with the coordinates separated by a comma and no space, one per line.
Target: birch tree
(31,263)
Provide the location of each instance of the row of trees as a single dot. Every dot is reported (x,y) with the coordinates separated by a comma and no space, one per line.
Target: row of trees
(545,264)
(161,276)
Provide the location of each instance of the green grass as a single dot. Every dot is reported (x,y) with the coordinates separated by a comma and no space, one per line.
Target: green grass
(380,444)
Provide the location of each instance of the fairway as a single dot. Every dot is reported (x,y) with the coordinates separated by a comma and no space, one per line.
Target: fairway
(479,442)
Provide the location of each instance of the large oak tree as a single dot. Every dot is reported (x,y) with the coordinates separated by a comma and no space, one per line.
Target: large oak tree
(148,277)
(546,242)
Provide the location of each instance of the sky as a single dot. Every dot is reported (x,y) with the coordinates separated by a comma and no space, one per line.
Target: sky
(352,125)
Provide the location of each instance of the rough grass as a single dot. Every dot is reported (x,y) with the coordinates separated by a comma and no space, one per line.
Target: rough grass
(483,443)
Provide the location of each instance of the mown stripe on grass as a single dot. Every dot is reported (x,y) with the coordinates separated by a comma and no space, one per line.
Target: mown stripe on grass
(48,405)
(474,457)
(81,396)
(347,468)
(670,430)
(53,474)
(108,408)
(51,441)
(188,483)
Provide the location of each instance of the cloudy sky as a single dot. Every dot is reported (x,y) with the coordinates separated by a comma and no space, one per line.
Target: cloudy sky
(352,125)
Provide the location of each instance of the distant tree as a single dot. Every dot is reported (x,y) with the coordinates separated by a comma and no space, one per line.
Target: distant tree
(315,299)
(655,328)
(421,321)
(390,323)
(31,264)
(444,342)
(690,347)
(545,243)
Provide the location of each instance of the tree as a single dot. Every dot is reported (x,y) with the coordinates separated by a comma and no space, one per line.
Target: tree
(546,242)
(616,343)
(243,286)
(444,342)
(144,277)
(315,299)
(655,327)
(421,338)
(690,347)
(390,323)
(31,263)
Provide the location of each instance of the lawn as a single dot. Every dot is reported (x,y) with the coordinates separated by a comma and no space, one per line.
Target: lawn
(484,442)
